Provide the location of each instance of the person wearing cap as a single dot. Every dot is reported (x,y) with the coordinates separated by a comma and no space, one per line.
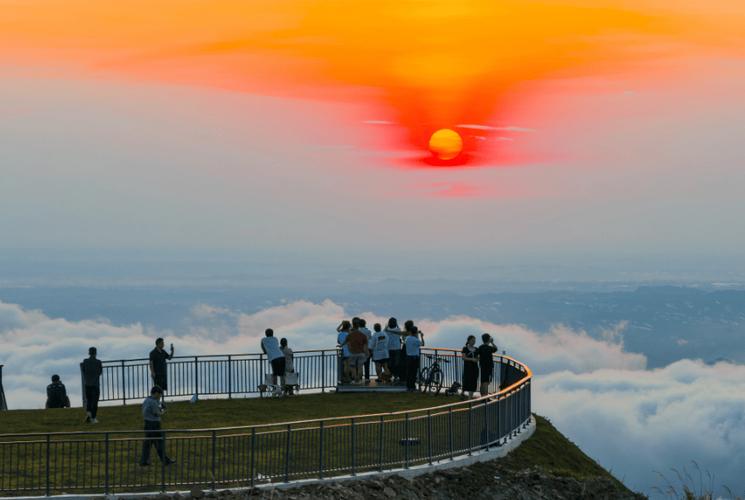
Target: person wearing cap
(91,369)
(152,411)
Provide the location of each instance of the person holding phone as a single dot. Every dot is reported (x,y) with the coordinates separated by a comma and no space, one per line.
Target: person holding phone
(158,367)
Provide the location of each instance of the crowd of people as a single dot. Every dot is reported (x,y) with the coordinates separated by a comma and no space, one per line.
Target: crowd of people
(394,352)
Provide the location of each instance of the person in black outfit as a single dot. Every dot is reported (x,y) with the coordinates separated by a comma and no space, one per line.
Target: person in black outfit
(470,366)
(158,367)
(92,370)
(486,362)
(152,412)
(57,394)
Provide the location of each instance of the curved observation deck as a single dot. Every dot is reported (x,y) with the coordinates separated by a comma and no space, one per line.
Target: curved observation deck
(247,456)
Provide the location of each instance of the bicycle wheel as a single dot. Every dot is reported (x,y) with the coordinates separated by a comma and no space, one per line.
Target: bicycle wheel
(424,379)
(435,381)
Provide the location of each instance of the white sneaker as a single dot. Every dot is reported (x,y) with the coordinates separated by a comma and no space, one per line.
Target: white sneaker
(94,420)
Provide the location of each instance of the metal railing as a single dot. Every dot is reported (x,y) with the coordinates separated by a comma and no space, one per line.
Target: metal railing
(107,462)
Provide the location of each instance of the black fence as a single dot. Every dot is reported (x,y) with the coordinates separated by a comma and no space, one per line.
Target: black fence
(107,462)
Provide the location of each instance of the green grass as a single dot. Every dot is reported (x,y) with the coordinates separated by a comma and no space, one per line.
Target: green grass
(218,412)
(551,451)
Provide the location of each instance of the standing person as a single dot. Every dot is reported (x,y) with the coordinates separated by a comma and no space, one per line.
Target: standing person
(414,341)
(289,362)
(152,411)
(470,366)
(394,348)
(158,367)
(341,339)
(379,349)
(57,394)
(363,328)
(92,370)
(358,353)
(486,362)
(270,346)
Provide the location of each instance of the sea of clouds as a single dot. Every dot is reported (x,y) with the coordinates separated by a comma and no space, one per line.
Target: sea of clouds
(634,421)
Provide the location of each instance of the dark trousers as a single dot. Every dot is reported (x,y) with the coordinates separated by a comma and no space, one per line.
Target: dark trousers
(161,381)
(92,393)
(367,369)
(153,437)
(412,370)
(394,362)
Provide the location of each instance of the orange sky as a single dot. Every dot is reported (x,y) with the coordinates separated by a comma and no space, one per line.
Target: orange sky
(428,64)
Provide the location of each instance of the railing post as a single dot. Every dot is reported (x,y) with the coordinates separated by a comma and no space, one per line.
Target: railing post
(470,428)
(3,403)
(48,488)
(230,377)
(106,464)
(323,371)
(162,462)
(214,458)
(450,432)
(253,456)
(407,442)
(124,386)
(486,423)
(380,443)
(429,436)
(354,450)
(287,454)
(320,450)
(196,375)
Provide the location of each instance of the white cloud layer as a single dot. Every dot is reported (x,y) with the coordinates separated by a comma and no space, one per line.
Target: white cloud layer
(633,420)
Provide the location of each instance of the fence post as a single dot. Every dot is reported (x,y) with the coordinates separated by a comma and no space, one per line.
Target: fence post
(354,454)
(429,435)
(230,377)
(3,403)
(124,386)
(450,432)
(106,464)
(214,457)
(253,456)
(196,375)
(287,454)
(380,444)
(323,371)
(48,487)
(470,428)
(407,443)
(163,463)
(486,423)
(320,450)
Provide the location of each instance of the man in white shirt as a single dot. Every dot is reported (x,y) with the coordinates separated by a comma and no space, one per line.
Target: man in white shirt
(270,346)
(363,328)
(413,342)
(379,347)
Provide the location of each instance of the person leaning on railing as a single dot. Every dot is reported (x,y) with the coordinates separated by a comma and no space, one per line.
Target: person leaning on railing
(394,348)
(152,411)
(413,343)
(379,348)
(470,366)
(270,346)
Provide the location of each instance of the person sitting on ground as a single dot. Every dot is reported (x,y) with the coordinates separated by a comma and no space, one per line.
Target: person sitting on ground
(152,411)
(363,328)
(92,370)
(486,362)
(470,366)
(414,341)
(341,339)
(380,353)
(270,346)
(57,394)
(289,361)
(358,353)
(394,348)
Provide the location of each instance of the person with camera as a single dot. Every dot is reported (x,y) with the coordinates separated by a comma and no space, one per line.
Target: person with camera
(486,362)
(158,367)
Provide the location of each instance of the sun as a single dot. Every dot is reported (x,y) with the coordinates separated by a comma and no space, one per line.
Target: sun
(445,144)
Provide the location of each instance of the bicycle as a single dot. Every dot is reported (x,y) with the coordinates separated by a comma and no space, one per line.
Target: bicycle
(431,377)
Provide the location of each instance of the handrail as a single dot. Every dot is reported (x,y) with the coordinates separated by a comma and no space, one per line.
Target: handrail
(3,402)
(501,392)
